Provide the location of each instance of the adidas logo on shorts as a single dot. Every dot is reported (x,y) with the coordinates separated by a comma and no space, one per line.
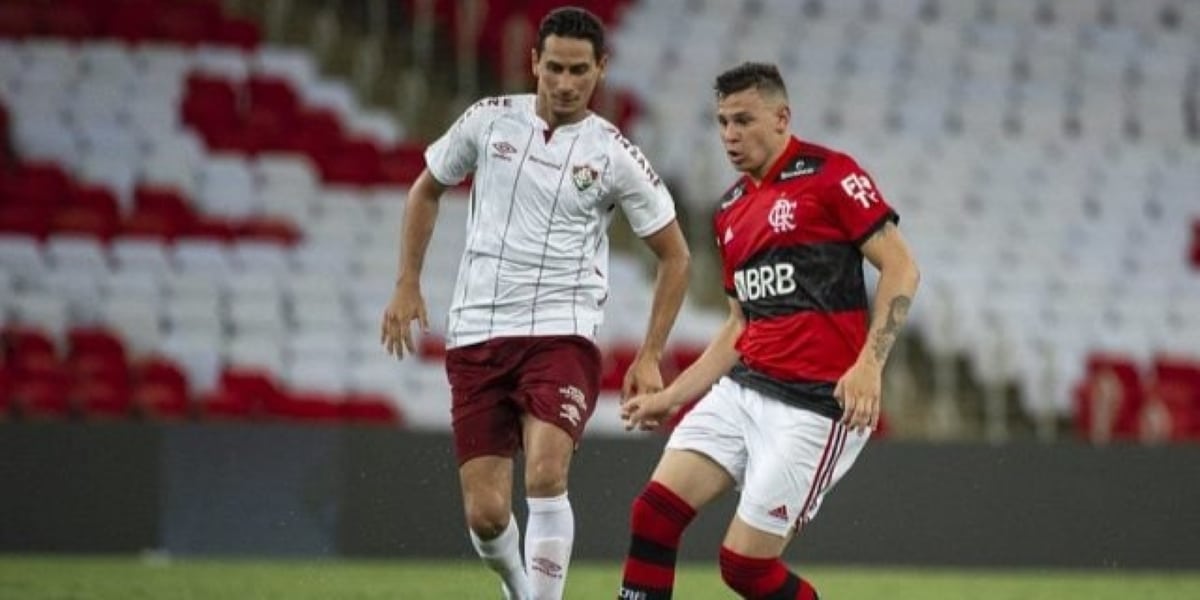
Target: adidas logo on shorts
(779,512)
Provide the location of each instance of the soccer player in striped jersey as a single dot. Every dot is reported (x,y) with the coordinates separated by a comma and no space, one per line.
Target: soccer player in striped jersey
(793,378)
(523,369)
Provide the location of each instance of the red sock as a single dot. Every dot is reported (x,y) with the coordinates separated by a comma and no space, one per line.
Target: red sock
(763,578)
(657,521)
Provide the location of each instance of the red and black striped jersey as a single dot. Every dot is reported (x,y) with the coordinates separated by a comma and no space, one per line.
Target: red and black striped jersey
(790,248)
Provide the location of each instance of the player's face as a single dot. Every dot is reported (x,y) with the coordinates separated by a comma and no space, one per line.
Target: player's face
(567,73)
(754,129)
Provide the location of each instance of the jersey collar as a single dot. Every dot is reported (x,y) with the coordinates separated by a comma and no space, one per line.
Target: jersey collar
(793,146)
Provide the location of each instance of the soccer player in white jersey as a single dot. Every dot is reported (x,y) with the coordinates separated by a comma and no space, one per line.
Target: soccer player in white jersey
(523,369)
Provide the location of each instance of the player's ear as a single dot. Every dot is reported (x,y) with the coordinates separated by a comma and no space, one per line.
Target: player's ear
(784,121)
(602,65)
(533,61)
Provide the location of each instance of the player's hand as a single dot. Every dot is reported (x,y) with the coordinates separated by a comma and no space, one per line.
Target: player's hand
(859,391)
(406,306)
(647,411)
(643,377)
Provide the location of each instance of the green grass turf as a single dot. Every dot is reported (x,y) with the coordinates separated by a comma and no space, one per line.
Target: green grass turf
(86,578)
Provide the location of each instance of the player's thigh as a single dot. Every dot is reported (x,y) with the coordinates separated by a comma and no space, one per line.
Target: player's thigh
(558,382)
(694,477)
(484,420)
(794,455)
(714,431)
(548,452)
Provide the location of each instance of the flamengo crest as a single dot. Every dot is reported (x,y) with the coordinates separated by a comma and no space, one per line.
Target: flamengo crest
(583,176)
(783,215)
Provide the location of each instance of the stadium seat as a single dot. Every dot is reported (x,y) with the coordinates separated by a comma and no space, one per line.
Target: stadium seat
(375,409)
(161,390)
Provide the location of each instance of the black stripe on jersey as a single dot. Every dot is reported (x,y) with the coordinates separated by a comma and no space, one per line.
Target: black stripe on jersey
(816,396)
(512,203)
(562,175)
(825,277)
(890,217)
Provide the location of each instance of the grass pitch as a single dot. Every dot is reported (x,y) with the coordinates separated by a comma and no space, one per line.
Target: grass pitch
(88,578)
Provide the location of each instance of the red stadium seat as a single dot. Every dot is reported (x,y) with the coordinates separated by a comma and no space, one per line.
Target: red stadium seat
(269,230)
(615,362)
(242,33)
(188,23)
(242,393)
(308,406)
(132,21)
(39,183)
(161,392)
(432,347)
(370,409)
(402,164)
(1109,399)
(210,104)
(151,225)
(20,342)
(65,20)
(17,20)
(6,385)
(96,197)
(101,400)
(96,355)
(42,396)
(210,228)
(89,220)
(1172,411)
(273,95)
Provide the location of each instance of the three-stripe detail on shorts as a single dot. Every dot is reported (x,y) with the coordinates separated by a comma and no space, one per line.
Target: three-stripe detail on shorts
(823,476)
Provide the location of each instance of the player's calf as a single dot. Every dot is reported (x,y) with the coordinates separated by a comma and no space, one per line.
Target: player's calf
(763,578)
(657,521)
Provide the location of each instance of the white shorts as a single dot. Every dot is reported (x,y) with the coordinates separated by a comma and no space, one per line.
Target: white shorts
(783,458)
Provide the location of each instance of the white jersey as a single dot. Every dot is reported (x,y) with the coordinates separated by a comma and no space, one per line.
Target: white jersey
(536,257)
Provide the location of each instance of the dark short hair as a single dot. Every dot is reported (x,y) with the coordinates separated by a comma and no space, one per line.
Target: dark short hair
(763,77)
(572,22)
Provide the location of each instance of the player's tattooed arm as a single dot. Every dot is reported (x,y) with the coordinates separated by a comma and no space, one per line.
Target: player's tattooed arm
(898,279)
(885,336)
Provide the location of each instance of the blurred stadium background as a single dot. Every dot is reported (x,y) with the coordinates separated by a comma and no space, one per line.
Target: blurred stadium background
(199,203)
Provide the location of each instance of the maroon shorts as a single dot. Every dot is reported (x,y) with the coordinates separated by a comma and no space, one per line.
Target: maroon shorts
(553,378)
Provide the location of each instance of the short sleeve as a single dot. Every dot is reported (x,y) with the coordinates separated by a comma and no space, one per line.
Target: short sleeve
(644,199)
(856,203)
(454,156)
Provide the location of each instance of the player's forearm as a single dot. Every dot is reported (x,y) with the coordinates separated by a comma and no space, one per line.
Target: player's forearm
(893,296)
(420,215)
(670,287)
(718,358)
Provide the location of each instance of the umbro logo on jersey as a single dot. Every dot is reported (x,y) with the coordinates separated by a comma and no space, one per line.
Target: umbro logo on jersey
(503,150)
(779,512)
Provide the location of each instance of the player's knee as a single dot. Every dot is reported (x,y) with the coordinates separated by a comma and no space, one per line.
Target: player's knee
(487,519)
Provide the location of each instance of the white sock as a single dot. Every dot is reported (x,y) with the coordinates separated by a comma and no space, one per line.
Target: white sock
(502,554)
(548,541)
